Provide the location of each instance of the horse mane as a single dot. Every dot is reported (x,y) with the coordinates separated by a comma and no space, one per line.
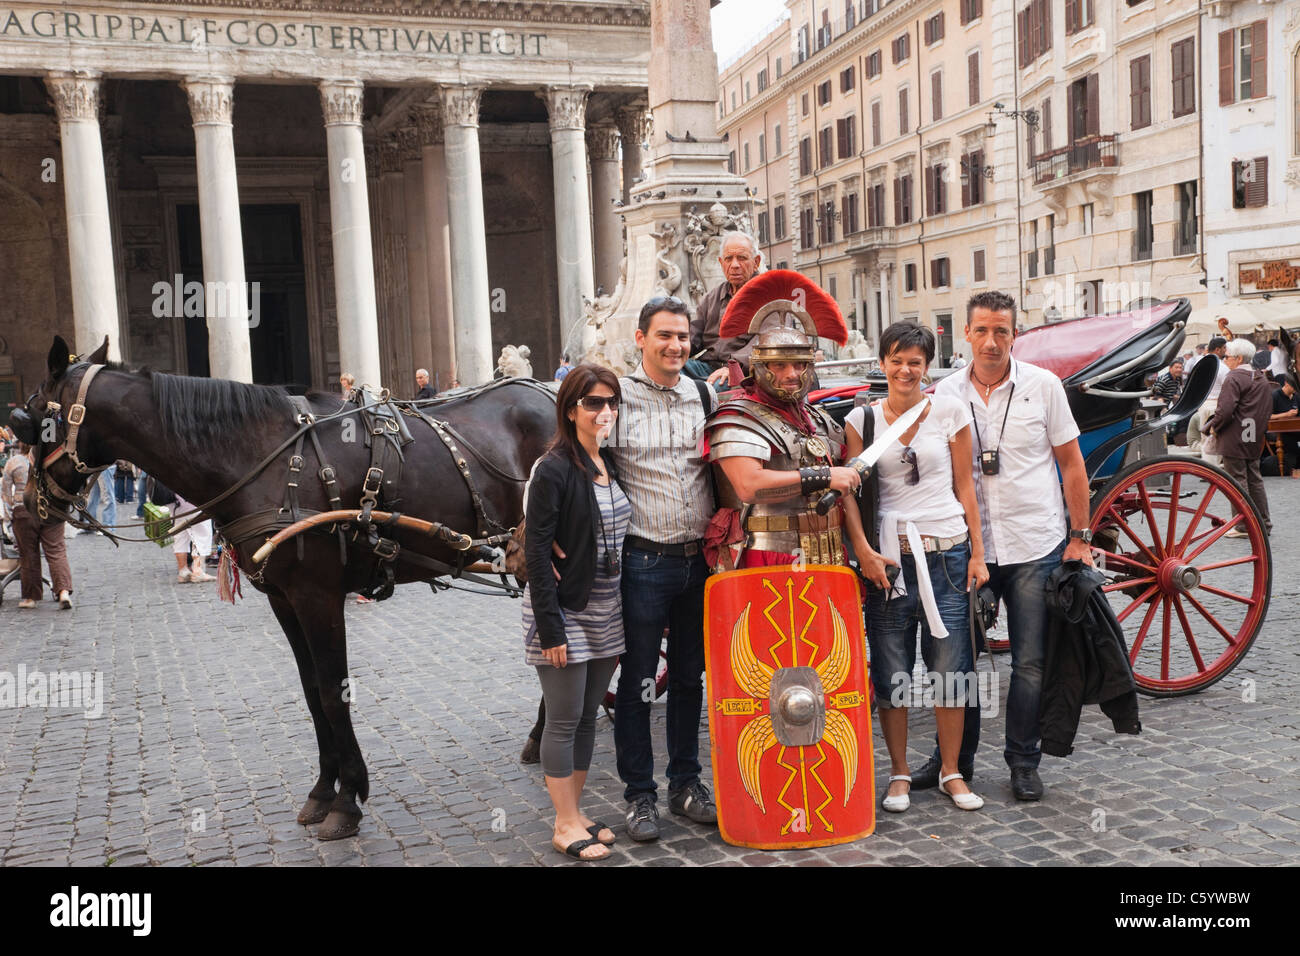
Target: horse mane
(204,414)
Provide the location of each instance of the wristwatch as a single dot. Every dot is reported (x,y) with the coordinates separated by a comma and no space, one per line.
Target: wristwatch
(1084,535)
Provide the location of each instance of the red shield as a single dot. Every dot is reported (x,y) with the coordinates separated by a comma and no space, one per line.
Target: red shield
(789,706)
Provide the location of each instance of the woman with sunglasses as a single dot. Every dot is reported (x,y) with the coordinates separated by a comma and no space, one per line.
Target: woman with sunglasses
(576,516)
(920,512)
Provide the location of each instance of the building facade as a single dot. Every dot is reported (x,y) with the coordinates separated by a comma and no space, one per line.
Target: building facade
(1252,161)
(280,192)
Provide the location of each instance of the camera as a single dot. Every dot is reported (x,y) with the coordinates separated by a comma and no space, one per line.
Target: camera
(612,563)
(989,461)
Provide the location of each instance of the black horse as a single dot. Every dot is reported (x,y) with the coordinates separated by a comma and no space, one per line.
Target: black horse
(202,436)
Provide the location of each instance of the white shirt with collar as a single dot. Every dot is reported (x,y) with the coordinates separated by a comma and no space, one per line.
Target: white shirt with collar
(1022,508)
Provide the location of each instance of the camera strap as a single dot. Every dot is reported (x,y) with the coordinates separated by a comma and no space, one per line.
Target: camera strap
(975,424)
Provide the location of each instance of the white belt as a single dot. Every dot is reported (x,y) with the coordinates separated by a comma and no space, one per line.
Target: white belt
(891,549)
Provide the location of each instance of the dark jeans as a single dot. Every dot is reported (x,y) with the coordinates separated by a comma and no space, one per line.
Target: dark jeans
(659,591)
(1245,472)
(1024,600)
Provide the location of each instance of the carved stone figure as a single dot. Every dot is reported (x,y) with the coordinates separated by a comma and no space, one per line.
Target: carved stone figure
(513,362)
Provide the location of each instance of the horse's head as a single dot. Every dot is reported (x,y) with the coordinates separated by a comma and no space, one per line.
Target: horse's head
(46,421)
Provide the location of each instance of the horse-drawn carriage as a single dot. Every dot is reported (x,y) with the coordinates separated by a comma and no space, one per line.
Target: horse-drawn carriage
(1190,599)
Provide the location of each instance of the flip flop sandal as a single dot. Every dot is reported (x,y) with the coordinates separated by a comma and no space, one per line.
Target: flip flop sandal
(595,829)
(575,849)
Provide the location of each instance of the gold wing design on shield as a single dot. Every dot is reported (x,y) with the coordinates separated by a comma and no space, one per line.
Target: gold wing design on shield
(754,741)
(839,734)
(834,668)
(753,676)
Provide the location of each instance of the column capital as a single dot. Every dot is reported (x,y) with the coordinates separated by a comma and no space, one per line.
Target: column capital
(567,105)
(75,95)
(211,98)
(602,142)
(428,121)
(340,100)
(635,124)
(390,154)
(408,143)
(460,104)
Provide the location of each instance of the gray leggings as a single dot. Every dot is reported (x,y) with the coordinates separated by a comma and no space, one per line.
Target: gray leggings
(572,694)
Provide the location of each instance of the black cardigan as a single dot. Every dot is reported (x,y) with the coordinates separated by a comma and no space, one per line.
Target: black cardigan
(561,507)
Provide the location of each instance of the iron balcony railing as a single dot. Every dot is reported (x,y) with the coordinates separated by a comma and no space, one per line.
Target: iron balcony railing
(1092,152)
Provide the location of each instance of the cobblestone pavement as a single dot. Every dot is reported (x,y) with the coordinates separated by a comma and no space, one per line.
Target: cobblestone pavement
(204,750)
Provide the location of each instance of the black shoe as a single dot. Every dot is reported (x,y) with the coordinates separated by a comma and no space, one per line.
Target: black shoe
(643,818)
(694,803)
(927,778)
(1026,784)
(532,751)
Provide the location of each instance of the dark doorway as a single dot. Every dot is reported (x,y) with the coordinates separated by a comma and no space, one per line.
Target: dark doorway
(278,336)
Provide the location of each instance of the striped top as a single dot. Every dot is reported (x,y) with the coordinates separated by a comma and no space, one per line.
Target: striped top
(596,631)
(14,483)
(656,449)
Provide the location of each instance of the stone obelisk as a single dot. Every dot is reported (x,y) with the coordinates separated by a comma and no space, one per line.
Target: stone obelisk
(676,216)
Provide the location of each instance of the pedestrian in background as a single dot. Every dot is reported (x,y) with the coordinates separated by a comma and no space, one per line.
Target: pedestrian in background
(33,537)
(1239,426)
(422,382)
(101,492)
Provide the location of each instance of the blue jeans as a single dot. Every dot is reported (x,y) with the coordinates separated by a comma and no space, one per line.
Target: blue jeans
(1022,590)
(891,635)
(103,488)
(660,590)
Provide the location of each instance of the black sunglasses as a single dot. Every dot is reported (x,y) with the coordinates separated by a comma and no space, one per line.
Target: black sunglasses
(594,403)
(909,458)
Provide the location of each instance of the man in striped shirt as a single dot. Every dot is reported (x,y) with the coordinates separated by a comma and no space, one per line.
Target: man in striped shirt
(656,451)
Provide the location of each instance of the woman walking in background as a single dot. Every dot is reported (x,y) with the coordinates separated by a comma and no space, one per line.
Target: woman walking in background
(33,537)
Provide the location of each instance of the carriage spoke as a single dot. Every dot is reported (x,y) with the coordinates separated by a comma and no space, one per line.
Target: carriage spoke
(1173,514)
(1187,629)
(1142,631)
(1250,558)
(1218,533)
(1239,598)
(1125,559)
(1123,583)
(1164,641)
(1196,518)
(1214,622)
(1141,600)
(1151,518)
(1129,531)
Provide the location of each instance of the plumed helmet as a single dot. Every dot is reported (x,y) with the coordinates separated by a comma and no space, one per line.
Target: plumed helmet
(786,311)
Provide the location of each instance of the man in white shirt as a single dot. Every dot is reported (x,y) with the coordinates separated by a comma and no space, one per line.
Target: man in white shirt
(1024,431)
(1277,359)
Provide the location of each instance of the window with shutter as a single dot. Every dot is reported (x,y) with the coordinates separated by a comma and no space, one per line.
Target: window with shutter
(873,64)
(1226,92)
(746,151)
(875,123)
(1183,61)
(1255,178)
(1045,120)
(1259,59)
(825,151)
(731,161)
(778,218)
(904,123)
(898,201)
(762,148)
(805,156)
(851,135)
(973,78)
(977,266)
(1093,119)
(909,277)
(1139,71)
(1143,238)
(967,180)
(762,228)
(936,95)
(928,186)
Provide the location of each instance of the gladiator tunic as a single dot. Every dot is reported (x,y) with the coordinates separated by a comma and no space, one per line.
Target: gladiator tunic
(776,532)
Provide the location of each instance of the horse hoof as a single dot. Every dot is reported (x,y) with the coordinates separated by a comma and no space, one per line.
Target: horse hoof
(532,752)
(314,811)
(339,826)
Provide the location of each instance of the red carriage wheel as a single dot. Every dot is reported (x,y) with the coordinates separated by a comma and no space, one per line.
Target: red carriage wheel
(1190,599)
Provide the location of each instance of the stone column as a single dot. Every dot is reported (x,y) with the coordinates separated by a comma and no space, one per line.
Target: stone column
(225,299)
(470,295)
(634,127)
(354,265)
(606,223)
(392,188)
(884,299)
(85,194)
(417,251)
(567,106)
(437,243)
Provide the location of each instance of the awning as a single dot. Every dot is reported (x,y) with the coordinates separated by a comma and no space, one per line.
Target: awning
(1245,316)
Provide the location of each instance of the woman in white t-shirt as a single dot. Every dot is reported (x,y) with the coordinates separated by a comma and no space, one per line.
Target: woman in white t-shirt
(927,521)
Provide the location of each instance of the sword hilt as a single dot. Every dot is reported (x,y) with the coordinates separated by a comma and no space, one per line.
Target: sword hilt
(827,501)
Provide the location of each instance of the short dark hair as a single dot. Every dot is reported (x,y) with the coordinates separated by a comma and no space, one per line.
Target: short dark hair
(576,385)
(660,303)
(907,335)
(1217,342)
(992,300)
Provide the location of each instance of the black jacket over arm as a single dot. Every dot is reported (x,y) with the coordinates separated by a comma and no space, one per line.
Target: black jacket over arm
(561,507)
(1087,660)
